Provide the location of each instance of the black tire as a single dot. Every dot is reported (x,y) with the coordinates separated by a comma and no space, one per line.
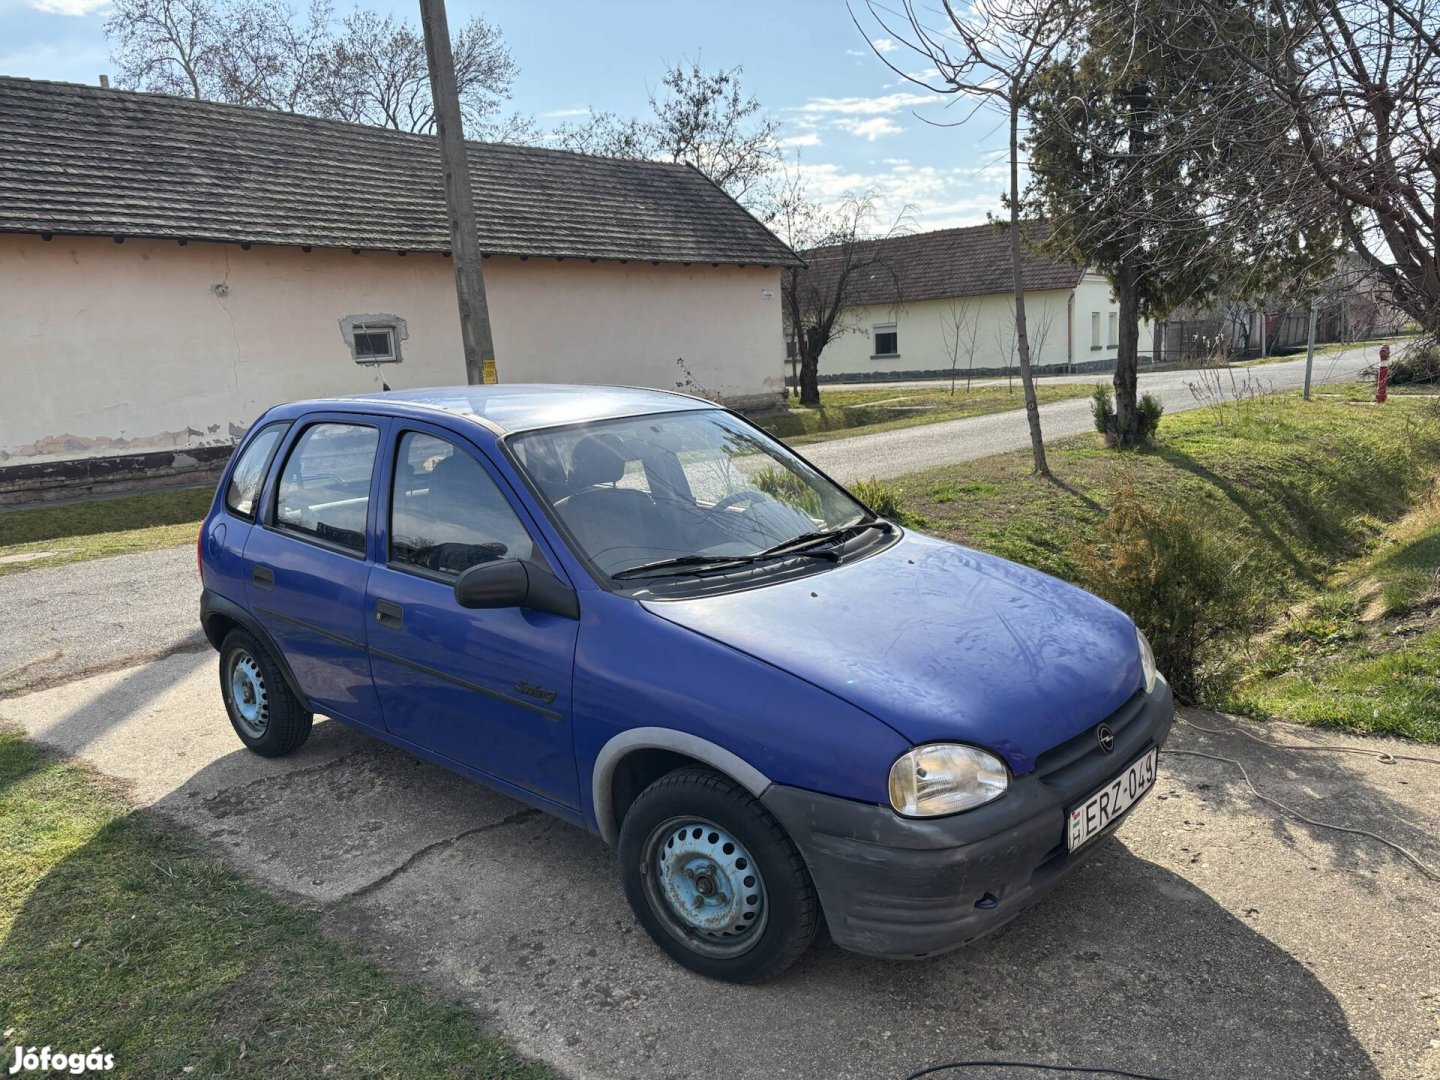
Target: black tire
(783,913)
(269,718)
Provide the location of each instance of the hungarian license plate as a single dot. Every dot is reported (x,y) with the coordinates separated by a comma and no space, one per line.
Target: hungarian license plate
(1091,817)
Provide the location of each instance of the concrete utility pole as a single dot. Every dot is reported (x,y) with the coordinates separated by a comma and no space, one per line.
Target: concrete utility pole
(464,240)
(1310,348)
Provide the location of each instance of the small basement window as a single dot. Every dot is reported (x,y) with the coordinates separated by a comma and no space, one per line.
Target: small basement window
(887,340)
(374,339)
(375,345)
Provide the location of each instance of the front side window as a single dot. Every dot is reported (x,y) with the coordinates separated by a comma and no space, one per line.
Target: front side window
(887,340)
(325,484)
(446,513)
(696,487)
(249,473)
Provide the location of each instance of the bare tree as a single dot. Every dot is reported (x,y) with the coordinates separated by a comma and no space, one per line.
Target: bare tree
(960,327)
(701,117)
(991,52)
(1360,81)
(368,69)
(820,301)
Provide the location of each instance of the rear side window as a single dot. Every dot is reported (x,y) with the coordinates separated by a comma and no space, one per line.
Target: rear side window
(325,484)
(446,513)
(249,474)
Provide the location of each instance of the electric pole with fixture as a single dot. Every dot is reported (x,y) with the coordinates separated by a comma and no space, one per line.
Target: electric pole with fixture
(465,253)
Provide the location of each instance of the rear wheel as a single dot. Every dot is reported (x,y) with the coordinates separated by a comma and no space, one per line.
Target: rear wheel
(263,710)
(714,879)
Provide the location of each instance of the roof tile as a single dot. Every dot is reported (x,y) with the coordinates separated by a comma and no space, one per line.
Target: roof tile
(92,161)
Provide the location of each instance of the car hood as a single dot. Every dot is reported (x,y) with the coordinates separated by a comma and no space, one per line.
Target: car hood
(940,642)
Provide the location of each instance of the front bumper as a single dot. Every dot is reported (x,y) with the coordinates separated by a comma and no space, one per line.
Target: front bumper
(908,888)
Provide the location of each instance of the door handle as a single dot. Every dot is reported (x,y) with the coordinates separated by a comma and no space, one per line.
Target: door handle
(389,614)
(263,577)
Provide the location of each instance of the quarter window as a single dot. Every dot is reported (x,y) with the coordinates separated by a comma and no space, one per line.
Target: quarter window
(446,513)
(249,472)
(325,485)
(887,340)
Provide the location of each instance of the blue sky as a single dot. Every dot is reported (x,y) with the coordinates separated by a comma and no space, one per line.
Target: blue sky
(854,124)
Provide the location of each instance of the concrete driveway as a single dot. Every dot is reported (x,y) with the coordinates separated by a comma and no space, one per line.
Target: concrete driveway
(1212,938)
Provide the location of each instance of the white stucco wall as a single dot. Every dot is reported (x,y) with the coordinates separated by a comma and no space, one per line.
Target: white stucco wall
(927,331)
(118,348)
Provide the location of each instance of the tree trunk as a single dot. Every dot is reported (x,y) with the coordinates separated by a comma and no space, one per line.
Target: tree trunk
(809,381)
(1022,339)
(1127,359)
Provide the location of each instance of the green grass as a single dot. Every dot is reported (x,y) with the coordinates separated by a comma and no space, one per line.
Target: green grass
(115,932)
(88,530)
(1329,349)
(1363,653)
(861,412)
(1297,488)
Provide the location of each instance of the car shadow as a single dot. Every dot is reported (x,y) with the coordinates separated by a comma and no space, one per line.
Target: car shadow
(1127,964)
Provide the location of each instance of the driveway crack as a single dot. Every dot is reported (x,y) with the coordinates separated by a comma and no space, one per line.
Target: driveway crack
(384,879)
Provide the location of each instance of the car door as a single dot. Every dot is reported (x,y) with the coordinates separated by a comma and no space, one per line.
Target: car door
(308,565)
(489,688)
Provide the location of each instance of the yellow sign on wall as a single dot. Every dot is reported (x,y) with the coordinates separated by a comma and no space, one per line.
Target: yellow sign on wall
(489,375)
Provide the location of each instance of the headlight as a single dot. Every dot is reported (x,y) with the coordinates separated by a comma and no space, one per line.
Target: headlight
(1147,661)
(945,778)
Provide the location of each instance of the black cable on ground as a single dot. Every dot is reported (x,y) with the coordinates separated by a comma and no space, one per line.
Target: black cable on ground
(1034,1066)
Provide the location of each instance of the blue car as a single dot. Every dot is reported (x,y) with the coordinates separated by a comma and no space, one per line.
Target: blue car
(639,612)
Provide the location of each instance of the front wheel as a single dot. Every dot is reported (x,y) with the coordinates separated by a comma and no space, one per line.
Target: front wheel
(714,879)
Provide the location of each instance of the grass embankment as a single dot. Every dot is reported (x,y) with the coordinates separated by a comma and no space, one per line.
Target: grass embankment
(1236,515)
(71,532)
(861,412)
(116,933)
(1371,347)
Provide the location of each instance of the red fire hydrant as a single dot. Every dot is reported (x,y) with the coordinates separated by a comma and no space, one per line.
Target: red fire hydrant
(1384,373)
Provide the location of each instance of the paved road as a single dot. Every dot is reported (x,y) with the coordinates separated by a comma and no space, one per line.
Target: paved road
(1214,938)
(65,621)
(895,453)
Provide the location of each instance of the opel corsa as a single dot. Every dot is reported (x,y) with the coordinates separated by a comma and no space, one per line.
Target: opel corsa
(638,612)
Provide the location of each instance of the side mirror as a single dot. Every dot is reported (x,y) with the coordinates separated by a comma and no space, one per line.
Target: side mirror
(511,583)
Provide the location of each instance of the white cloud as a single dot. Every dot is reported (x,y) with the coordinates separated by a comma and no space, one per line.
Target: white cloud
(863,106)
(67,7)
(874,128)
(809,138)
(929,197)
(884,45)
(553,114)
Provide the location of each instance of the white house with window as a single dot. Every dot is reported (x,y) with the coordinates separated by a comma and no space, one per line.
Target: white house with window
(932,303)
(170,268)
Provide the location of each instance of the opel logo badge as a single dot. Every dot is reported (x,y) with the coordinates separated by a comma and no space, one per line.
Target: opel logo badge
(1106,737)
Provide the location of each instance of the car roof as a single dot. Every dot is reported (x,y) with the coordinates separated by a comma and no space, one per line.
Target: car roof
(511,407)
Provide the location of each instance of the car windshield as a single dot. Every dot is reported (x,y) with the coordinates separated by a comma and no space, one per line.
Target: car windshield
(681,492)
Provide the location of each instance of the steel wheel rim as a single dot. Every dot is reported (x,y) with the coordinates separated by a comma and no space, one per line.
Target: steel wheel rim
(249,703)
(705,887)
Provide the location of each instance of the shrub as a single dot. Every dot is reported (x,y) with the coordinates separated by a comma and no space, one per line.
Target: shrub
(1418,362)
(1194,592)
(885,501)
(1150,412)
(1103,410)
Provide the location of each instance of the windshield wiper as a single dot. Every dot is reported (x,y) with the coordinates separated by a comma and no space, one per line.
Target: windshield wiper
(800,545)
(697,563)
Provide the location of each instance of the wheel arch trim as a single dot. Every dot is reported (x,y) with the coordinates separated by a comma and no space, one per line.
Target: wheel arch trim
(211,604)
(658,738)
